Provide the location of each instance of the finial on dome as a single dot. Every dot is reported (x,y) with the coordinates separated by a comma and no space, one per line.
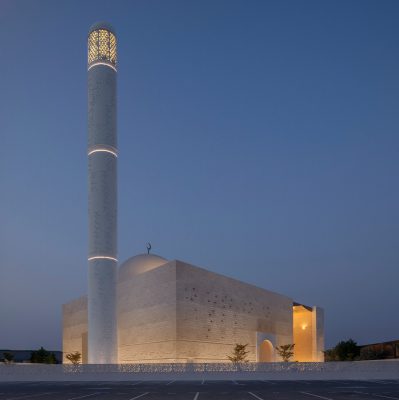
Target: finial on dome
(148,247)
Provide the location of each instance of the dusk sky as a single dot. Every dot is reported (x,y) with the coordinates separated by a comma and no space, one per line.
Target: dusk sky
(257,139)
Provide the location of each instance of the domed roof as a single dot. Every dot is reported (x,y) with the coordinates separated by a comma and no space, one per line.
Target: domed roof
(139,264)
(102,25)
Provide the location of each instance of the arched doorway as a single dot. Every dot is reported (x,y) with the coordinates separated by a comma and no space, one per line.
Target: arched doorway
(266,353)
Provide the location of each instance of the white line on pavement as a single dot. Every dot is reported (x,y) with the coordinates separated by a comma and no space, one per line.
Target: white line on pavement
(377,395)
(271,383)
(170,383)
(196,396)
(82,397)
(134,384)
(141,395)
(350,387)
(256,397)
(316,395)
(29,396)
(203,381)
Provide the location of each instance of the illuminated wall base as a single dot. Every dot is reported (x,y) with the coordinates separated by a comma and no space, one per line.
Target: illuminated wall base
(175,312)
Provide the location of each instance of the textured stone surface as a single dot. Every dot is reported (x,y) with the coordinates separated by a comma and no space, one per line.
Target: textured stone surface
(215,312)
(317,334)
(74,318)
(147,316)
(357,370)
(176,312)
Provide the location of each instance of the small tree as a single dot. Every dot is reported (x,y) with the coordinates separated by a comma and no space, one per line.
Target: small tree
(8,357)
(330,355)
(286,351)
(74,358)
(345,350)
(43,356)
(239,353)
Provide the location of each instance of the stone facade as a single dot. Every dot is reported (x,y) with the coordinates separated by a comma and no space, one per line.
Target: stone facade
(171,311)
(74,319)
(215,312)
(147,316)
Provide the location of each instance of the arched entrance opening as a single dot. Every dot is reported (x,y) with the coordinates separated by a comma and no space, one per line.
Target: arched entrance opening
(266,353)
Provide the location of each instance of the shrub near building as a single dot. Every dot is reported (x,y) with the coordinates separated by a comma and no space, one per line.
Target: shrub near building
(344,351)
(42,356)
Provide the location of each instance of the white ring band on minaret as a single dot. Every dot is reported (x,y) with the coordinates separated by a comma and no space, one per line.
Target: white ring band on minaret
(101,63)
(102,258)
(103,148)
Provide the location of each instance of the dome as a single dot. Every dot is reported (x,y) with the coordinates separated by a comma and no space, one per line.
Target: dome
(102,25)
(139,264)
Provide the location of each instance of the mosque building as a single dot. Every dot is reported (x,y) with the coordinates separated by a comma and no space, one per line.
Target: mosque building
(154,310)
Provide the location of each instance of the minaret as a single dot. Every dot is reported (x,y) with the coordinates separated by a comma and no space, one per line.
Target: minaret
(102,163)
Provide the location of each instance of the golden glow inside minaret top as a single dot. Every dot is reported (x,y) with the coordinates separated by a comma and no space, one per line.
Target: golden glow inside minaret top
(102,48)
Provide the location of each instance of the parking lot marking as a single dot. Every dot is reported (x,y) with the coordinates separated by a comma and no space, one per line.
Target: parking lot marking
(377,395)
(271,383)
(203,381)
(196,396)
(316,395)
(134,384)
(141,395)
(83,397)
(29,396)
(256,397)
(170,383)
(350,387)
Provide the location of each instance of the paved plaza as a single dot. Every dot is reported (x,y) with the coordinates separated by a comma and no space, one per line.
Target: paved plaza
(202,390)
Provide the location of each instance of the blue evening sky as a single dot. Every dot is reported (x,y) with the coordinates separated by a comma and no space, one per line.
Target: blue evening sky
(258,139)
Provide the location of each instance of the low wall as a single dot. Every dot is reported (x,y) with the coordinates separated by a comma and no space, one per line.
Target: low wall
(217,371)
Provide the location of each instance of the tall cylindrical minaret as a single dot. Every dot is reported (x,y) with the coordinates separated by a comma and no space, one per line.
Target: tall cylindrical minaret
(102,163)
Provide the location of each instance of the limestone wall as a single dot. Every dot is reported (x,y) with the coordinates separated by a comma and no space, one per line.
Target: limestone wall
(318,334)
(215,312)
(147,316)
(74,336)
